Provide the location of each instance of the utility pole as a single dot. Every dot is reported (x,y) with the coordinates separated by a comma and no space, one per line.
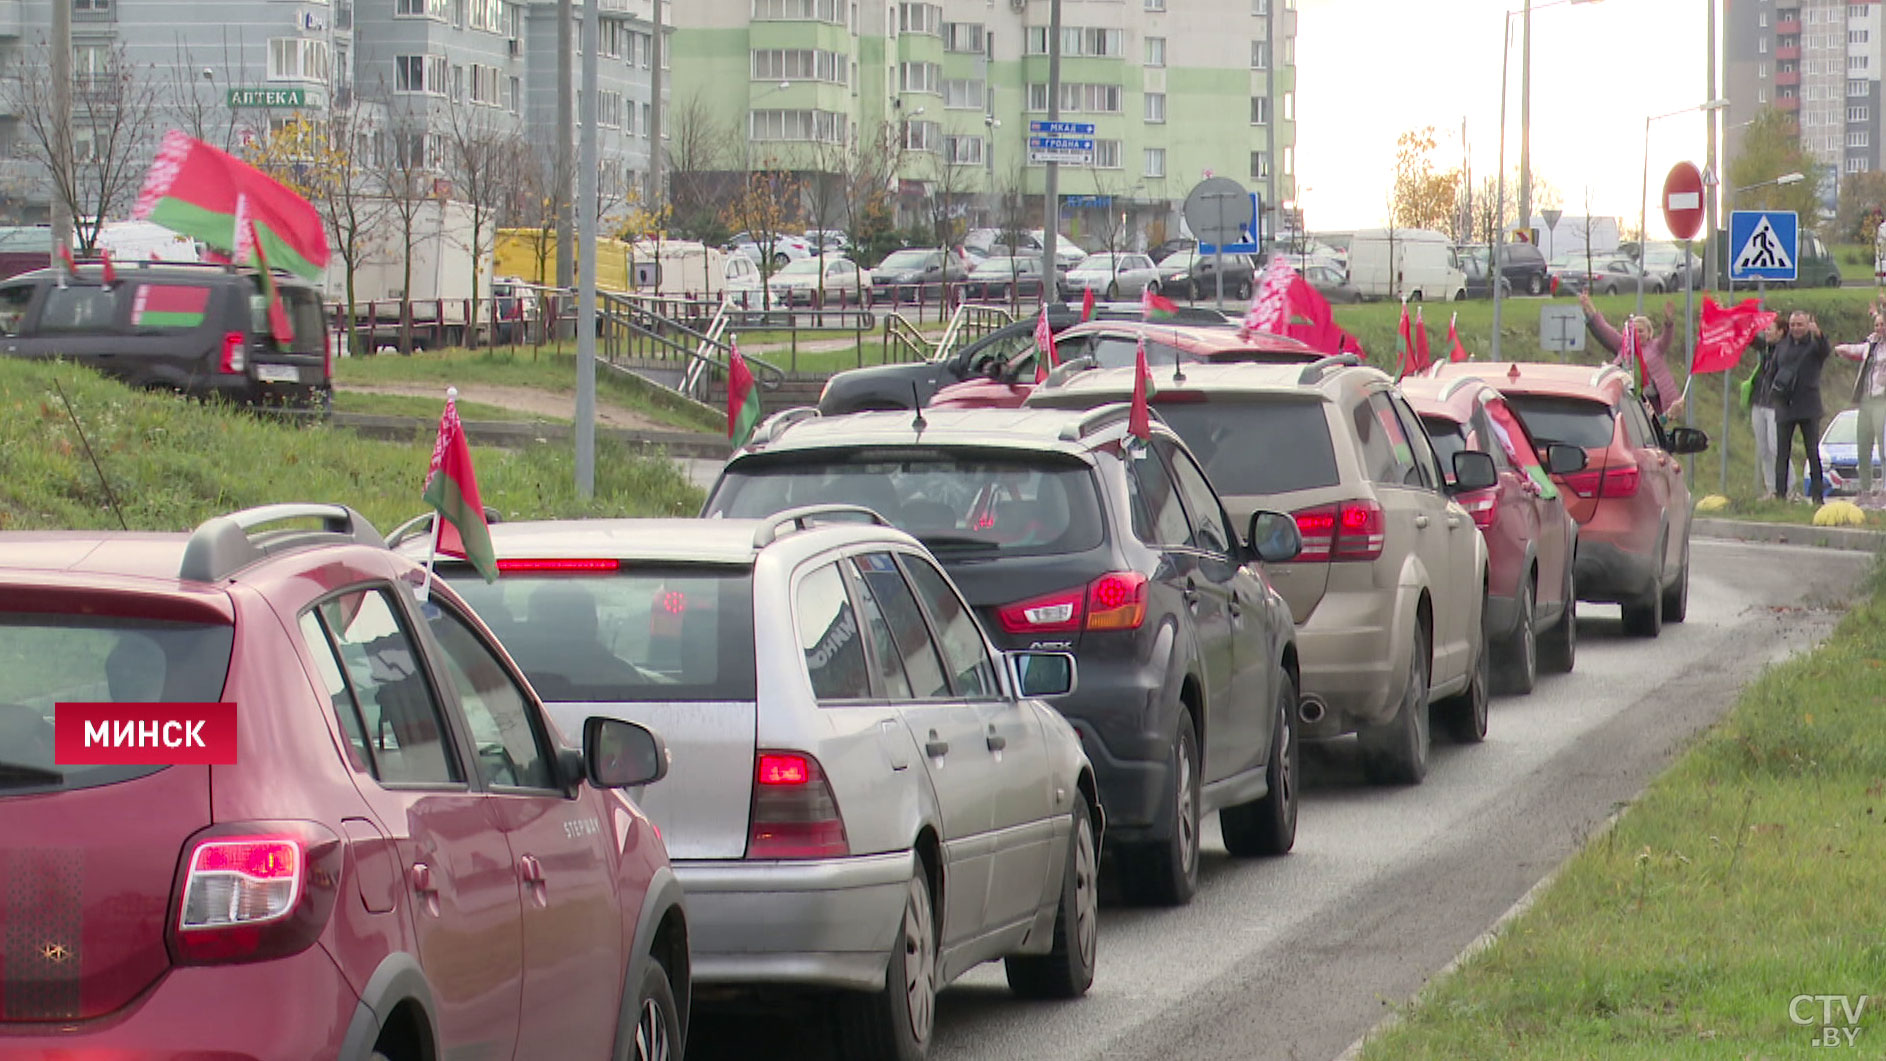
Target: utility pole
(1052,197)
(1525,121)
(655,197)
(565,162)
(61,123)
(1711,180)
(586,296)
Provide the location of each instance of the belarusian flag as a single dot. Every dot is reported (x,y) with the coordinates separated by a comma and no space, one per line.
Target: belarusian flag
(196,190)
(1044,346)
(743,398)
(1455,351)
(1421,342)
(1155,306)
(278,323)
(452,490)
(169,306)
(1087,306)
(1139,422)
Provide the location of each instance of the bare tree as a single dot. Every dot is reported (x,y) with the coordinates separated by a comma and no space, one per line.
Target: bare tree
(700,159)
(481,159)
(870,174)
(352,213)
(97,164)
(403,177)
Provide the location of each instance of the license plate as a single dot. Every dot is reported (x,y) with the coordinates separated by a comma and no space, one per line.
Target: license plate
(278,373)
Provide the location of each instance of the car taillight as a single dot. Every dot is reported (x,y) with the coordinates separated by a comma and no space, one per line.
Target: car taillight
(1482,505)
(1620,481)
(1116,601)
(255,891)
(1347,530)
(234,359)
(794,812)
(1053,613)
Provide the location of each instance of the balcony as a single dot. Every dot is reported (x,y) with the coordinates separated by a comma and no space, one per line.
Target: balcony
(1788,28)
(1788,104)
(1788,53)
(1788,77)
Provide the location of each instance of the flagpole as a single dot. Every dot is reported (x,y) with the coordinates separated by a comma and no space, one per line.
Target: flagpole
(432,546)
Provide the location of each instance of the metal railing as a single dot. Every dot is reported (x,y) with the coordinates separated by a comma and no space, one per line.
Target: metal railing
(903,342)
(970,322)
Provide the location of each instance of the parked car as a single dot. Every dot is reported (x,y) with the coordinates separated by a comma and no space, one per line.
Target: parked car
(1840,455)
(1333,284)
(828,279)
(806,861)
(401,859)
(1669,263)
(1631,501)
(785,248)
(514,309)
(741,284)
(1115,344)
(1531,538)
(1815,264)
(1063,540)
(1188,274)
(1389,590)
(999,279)
(829,240)
(905,386)
(1169,248)
(1406,263)
(916,274)
(1112,276)
(1477,286)
(1613,274)
(200,330)
(1522,264)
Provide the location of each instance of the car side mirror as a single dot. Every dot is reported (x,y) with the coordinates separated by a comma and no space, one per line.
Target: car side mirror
(1562,458)
(1473,470)
(1686,440)
(1274,537)
(1040,674)
(620,754)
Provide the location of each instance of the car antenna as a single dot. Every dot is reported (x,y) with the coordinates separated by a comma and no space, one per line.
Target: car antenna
(919,423)
(1178,364)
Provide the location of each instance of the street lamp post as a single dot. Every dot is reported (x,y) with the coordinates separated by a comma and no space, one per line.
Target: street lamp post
(1643,198)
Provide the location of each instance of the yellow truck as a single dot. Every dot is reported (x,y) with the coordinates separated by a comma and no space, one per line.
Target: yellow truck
(666,267)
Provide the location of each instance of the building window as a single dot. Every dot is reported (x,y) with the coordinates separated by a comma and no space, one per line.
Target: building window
(1290,161)
(1037,97)
(1856,62)
(1260,7)
(1858,165)
(487,82)
(297,59)
(1859,114)
(1858,36)
(1106,154)
(1155,51)
(1290,50)
(513,94)
(1761,94)
(613,37)
(1858,87)
(1260,110)
(419,73)
(1260,165)
(487,15)
(1155,162)
(1155,5)
(436,9)
(608,109)
(968,37)
(799,64)
(963,150)
(1858,138)
(920,77)
(1155,106)
(1290,106)
(963,95)
(820,126)
(1091,99)
(926,19)
(831,11)
(1762,20)
(1077,42)
(645,123)
(92,63)
(923,136)
(1260,55)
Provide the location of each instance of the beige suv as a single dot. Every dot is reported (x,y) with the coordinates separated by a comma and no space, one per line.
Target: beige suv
(1389,591)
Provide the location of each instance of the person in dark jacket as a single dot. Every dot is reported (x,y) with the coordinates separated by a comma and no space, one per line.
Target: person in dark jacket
(1762,407)
(1795,386)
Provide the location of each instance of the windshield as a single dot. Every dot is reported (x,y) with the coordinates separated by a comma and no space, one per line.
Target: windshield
(1257,447)
(49,659)
(917,259)
(1843,430)
(1100,263)
(1180,260)
(1577,421)
(1001,266)
(955,502)
(647,633)
(802,267)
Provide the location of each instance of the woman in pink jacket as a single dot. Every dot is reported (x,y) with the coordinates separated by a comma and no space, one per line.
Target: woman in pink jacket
(1659,385)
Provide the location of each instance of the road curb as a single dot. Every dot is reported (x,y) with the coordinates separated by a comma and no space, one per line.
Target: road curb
(516,434)
(1850,538)
(1485,939)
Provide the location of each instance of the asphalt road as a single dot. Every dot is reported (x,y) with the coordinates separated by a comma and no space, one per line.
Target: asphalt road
(1295,958)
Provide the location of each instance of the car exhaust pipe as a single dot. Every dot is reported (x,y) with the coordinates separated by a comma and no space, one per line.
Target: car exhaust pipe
(1310,710)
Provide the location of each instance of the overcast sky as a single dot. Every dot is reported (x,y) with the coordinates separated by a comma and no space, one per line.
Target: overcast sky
(1370,69)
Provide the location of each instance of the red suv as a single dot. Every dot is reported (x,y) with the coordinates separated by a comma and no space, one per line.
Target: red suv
(1531,538)
(403,861)
(1631,500)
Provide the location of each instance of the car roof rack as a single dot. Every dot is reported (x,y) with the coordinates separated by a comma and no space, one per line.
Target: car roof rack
(801,518)
(223,545)
(1459,382)
(423,523)
(1313,372)
(777,424)
(1097,418)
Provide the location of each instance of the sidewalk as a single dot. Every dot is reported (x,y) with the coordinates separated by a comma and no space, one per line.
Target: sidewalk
(1856,539)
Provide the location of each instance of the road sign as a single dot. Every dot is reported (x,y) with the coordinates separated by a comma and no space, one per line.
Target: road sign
(1683,200)
(1077,150)
(1219,210)
(1561,328)
(1763,244)
(1037,128)
(1248,238)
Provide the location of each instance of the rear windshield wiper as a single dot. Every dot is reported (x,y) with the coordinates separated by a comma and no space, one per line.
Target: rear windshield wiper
(18,775)
(956,541)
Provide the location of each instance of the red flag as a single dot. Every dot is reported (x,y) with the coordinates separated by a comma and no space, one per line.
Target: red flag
(1404,344)
(111,275)
(1155,306)
(1421,342)
(743,398)
(197,190)
(1287,304)
(452,490)
(1725,333)
(1455,351)
(1044,345)
(65,255)
(1087,306)
(1139,423)
(278,322)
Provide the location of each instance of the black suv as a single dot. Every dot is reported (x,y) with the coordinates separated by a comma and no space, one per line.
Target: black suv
(202,330)
(900,386)
(1066,534)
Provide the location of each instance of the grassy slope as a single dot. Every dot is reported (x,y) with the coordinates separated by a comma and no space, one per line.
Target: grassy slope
(1746,875)
(173,463)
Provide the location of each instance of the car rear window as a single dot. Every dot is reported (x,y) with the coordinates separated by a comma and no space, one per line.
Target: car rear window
(47,660)
(647,632)
(305,316)
(1249,448)
(970,502)
(1448,436)
(1577,421)
(78,308)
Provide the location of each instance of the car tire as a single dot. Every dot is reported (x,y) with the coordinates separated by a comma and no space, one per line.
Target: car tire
(1268,826)
(1396,752)
(781,260)
(1833,280)
(1165,872)
(1644,617)
(1535,285)
(656,1034)
(1415,297)
(1519,663)
(896,1023)
(1558,648)
(1067,971)
(1676,598)
(1460,295)
(1464,715)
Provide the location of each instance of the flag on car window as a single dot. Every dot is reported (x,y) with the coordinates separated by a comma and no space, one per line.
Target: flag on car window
(1087,306)
(1455,351)
(1044,345)
(1155,306)
(743,398)
(1517,444)
(452,491)
(169,306)
(278,323)
(1422,360)
(1139,422)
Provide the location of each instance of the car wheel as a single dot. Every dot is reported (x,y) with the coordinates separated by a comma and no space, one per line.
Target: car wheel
(1464,715)
(895,1023)
(1165,872)
(1644,618)
(1415,297)
(657,1032)
(1396,752)
(1519,667)
(781,260)
(1268,826)
(1833,280)
(1244,290)
(1558,649)
(1067,971)
(1676,599)
(1461,295)
(1535,285)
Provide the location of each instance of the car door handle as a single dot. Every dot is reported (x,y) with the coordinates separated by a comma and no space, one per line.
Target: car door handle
(1421,521)
(936,747)
(1453,522)
(531,870)
(1190,593)
(1236,606)
(421,878)
(996,741)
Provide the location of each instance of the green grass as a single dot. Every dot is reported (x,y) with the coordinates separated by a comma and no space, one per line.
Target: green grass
(425,408)
(173,463)
(1746,875)
(1856,261)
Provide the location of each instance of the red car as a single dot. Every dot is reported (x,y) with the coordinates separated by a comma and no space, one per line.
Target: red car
(403,861)
(1115,344)
(1631,500)
(1531,537)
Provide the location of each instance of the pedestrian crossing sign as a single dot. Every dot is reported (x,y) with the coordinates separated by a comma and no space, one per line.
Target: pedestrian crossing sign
(1764,244)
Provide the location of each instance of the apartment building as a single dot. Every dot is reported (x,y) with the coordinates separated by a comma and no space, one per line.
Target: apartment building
(1176,89)
(406,73)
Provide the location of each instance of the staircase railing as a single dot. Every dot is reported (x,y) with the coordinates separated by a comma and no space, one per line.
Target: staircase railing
(903,342)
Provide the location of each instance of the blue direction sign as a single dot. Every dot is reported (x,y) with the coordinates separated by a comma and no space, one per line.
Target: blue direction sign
(1039,128)
(1764,244)
(1247,245)
(1077,150)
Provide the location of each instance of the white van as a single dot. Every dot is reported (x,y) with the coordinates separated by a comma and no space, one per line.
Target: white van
(1421,265)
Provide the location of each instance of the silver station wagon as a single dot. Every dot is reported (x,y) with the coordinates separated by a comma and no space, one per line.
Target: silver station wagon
(864,796)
